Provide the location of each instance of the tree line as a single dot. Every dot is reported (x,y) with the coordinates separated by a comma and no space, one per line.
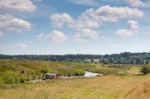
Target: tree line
(122,58)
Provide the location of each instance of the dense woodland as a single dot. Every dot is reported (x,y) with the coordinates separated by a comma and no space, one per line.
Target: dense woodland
(122,58)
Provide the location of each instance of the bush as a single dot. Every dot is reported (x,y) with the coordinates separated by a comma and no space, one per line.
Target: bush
(9,77)
(45,70)
(9,80)
(78,72)
(145,69)
(1,81)
(24,79)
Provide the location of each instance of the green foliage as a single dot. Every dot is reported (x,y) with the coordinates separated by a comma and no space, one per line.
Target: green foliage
(145,69)
(1,81)
(9,80)
(78,72)
(70,71)
(45,70)
(23,79)
(9,77)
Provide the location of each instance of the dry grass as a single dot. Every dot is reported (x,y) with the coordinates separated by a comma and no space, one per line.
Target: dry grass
(107,87)
(141,91)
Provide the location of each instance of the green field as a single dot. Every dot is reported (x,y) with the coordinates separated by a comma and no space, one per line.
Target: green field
(118,82)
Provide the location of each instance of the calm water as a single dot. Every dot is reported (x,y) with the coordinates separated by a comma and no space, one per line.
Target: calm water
(90,74)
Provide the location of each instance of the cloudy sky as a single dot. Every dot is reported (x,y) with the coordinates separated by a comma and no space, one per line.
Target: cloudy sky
(74,26)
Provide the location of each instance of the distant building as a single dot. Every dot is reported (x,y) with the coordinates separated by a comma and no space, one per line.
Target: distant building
(87,60)
(96,60)
(146,61)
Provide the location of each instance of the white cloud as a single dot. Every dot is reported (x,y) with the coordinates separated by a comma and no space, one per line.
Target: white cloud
(85,34)
(112,14)
(88,19)
(22,45)
(10,23)
(19,5)
(139,3)
(60,19)
(136,3)
(132,24)
(123,33)
(85,2)
(57,36)
(130,31)
(41,36)
(94,18)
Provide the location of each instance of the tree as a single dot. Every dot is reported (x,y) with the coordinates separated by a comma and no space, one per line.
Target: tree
(145,69)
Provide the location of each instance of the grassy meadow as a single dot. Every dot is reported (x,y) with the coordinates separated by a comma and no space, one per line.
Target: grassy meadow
(20,71)
(106,87)
(118,82)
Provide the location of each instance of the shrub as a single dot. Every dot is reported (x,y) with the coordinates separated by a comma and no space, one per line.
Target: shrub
(9,77)
(78,72)
(24,79)
(45,70)
(1,81)
(9,80)
(145,69)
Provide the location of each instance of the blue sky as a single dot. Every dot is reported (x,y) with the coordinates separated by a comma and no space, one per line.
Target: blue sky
(74,26)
